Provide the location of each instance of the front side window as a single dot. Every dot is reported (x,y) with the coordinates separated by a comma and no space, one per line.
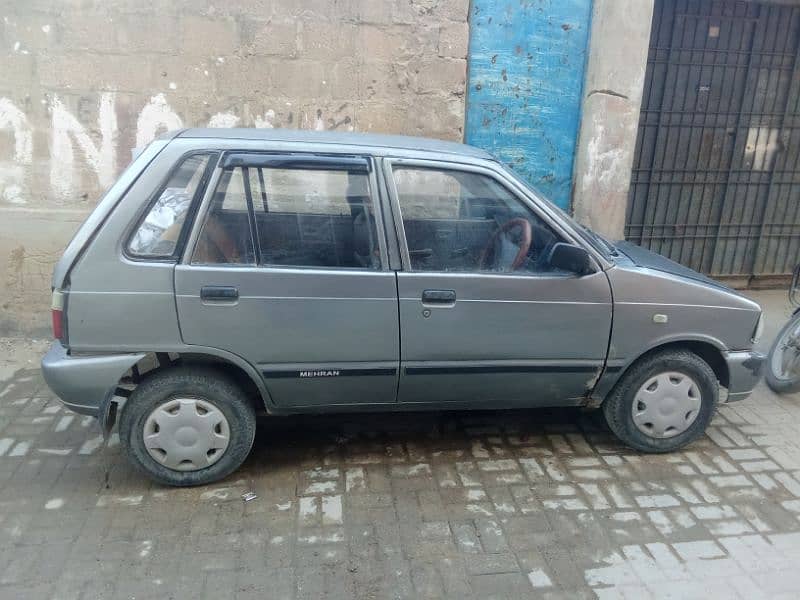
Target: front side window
(158,233)
(302,217)
(460,221)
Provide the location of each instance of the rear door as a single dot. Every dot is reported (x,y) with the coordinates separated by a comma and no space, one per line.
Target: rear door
(484,320)
(288,270)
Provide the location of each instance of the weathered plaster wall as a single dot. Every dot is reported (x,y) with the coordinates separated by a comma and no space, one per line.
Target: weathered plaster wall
(526,68)
(612,99)
(82,82)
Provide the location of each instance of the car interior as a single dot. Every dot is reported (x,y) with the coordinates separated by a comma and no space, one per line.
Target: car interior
(496,241)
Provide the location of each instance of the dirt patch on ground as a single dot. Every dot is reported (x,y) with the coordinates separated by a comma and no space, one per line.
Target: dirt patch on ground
(20,353)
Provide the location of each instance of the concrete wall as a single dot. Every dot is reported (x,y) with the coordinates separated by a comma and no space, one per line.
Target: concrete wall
(526,69)
(83,82)
(612,98)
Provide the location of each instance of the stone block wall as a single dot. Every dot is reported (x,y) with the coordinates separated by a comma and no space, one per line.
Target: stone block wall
(83,82)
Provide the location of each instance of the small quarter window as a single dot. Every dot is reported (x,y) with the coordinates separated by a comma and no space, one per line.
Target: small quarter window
(160,230)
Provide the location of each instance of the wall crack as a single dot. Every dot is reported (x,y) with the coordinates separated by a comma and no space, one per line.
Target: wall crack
(607,93)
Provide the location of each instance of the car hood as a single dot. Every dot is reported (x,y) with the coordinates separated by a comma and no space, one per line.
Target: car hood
(650,260)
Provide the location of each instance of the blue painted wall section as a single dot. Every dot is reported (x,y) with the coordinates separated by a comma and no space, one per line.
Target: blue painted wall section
(526,69)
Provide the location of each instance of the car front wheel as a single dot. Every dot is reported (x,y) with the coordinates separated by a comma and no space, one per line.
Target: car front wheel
(187,426)
(663,402)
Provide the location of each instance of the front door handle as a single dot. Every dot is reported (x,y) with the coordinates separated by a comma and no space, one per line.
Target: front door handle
(439,297)
(219,293)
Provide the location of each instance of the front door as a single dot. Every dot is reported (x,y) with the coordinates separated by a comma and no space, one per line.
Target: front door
(483,318)
(289,272)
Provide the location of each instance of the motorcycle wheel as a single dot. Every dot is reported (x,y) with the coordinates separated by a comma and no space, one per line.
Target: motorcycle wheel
(783,361)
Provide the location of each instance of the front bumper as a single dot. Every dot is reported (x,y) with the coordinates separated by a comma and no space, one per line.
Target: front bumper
(744,371)
(85,383)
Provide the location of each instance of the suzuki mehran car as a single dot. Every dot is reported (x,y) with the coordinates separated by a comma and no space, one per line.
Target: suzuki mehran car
(232,272)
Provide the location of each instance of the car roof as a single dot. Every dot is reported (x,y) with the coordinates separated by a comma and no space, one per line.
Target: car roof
(369,140)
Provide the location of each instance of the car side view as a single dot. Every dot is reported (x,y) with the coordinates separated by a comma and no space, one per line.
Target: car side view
(234,272)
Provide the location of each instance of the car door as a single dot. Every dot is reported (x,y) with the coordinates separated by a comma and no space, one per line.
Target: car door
(483,318)
(288,271)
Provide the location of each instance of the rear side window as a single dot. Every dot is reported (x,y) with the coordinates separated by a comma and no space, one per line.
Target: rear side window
(226,237)
(302,217)
(160,230)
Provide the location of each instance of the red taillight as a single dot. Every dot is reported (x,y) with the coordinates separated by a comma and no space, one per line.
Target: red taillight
(57,314)
(58,323)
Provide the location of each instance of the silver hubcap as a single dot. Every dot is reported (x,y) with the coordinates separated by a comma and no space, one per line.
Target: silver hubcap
(786,358)
(666,405)
(186,434)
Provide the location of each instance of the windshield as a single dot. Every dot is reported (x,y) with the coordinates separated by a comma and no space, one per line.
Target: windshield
(595,240)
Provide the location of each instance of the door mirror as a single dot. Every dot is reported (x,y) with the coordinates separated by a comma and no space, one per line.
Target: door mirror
(569,257)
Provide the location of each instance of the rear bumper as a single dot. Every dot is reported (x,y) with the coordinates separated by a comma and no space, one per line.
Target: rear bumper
(744,371)
(85,383)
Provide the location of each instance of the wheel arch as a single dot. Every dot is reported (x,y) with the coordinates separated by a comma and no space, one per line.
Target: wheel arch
(242,372)
(710,351)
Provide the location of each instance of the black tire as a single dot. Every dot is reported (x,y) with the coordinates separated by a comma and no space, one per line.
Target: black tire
(207,384)
(618,405)
(776,384)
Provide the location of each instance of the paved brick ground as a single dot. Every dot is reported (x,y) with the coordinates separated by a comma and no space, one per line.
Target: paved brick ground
(458,505)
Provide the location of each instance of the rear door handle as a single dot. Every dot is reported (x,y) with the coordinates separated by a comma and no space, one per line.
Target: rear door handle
(219,293)
(439,296)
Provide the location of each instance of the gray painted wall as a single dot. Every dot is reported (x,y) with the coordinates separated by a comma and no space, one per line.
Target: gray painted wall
(612,97)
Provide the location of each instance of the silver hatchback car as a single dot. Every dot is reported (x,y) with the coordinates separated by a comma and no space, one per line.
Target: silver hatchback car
(230,272)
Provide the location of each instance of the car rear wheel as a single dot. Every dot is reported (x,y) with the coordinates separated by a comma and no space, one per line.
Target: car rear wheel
(663,402)
(187,426)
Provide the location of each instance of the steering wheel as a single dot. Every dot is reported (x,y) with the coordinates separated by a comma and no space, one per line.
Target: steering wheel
(524,244)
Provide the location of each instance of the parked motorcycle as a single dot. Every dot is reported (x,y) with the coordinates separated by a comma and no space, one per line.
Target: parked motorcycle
(783,362)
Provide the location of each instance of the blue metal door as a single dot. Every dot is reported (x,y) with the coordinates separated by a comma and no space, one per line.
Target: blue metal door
(526,70)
